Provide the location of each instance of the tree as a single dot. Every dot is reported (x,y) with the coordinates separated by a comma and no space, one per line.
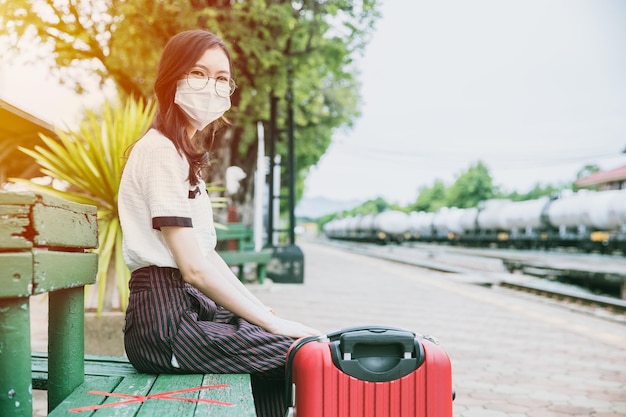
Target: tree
(587,170)
(375,206)
(471,187)
(537,191)
(120,41)
(430,198)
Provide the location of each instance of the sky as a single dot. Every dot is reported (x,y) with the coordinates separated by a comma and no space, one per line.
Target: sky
(32,88)
(534,89)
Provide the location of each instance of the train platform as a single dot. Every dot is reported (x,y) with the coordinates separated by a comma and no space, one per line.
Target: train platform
(513,355)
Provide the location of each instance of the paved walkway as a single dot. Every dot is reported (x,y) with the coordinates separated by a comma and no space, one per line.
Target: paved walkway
(512,355)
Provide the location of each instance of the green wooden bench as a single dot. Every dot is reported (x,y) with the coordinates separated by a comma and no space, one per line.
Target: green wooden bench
(244,253)
(146,394)
(44,248)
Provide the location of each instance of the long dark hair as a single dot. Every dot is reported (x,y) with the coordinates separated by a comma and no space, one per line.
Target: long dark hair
(181,53)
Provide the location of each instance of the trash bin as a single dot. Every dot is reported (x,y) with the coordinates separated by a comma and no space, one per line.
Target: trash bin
(286,265)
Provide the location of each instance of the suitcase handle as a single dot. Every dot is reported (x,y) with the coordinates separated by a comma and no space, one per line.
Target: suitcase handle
(372,328)
(376,354)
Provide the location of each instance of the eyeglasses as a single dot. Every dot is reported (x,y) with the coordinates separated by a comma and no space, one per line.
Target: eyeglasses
(224,87)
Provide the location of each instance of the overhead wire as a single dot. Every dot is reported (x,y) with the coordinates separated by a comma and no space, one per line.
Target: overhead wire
(509,159)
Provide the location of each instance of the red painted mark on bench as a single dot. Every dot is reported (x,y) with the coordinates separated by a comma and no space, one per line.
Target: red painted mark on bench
(160,396)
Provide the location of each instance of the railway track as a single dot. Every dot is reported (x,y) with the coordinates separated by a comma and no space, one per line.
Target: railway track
(547,289)
(612,305)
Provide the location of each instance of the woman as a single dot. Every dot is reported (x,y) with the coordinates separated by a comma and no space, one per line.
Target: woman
(188,313)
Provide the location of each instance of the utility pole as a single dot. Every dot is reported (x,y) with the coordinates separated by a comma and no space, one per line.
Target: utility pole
(271,146)
(291,157)
(287,263)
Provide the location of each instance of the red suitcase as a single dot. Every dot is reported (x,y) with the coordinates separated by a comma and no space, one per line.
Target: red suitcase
(369,372)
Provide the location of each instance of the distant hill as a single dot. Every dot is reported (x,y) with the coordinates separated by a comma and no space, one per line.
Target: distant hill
(319,206)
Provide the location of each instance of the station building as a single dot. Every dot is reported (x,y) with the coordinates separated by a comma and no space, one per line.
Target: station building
(19,128)
(614,179)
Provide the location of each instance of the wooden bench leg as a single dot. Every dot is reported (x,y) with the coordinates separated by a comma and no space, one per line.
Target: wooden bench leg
(260,273)
(15,368)
(66,348)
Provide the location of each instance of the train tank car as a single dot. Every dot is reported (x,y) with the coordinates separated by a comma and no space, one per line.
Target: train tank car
(525,222)
(421,225)
(490,222)
(447,224)
(590,219)
(468,221)
(392,226)
(365,227)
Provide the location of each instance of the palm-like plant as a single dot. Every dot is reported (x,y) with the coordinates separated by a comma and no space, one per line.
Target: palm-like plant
(91,160)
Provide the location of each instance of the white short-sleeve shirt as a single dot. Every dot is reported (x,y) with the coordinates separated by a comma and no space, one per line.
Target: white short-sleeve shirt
(155,192)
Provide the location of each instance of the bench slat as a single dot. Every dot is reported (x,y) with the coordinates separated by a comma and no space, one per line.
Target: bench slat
(32,219)
(138,384)
(233,234)
(16,274)
(239,257)
(79,397)
(14,222)
(168,382)
(47,270)
(108,365)
(95,365)
(63,223)
(243,404)
(51,271)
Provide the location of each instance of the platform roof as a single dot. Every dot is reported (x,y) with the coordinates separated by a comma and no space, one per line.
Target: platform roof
(19,128)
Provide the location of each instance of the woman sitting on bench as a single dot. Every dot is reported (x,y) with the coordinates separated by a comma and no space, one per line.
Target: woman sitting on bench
(188,313)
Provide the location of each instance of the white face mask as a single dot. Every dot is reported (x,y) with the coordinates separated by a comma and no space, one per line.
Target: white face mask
(201,106)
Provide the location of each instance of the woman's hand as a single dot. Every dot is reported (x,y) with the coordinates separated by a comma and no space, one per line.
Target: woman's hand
(290,328)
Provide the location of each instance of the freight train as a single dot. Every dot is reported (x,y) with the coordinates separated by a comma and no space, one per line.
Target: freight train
(587,220)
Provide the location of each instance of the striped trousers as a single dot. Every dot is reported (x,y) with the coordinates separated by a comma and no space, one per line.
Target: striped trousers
(171,327)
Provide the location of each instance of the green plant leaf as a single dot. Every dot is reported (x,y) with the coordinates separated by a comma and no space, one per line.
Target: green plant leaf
(90,160)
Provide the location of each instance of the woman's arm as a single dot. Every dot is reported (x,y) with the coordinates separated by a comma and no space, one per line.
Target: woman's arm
(215,259)
(212,276)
